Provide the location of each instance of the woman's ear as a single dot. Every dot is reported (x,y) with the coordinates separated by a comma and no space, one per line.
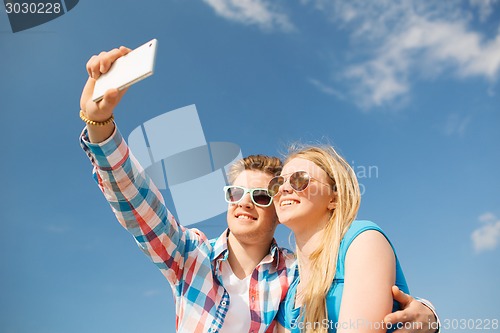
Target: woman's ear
(333,201)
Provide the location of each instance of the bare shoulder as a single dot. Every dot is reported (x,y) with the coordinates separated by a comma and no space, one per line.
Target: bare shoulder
(368,245)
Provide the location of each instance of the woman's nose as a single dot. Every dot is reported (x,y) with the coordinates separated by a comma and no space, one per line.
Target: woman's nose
(285,187)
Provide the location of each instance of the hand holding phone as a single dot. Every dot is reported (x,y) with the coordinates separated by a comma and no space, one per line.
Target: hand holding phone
(127,70)
(101,95)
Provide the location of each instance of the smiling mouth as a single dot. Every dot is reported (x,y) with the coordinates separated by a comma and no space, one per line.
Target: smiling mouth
(245,217)
(289,203)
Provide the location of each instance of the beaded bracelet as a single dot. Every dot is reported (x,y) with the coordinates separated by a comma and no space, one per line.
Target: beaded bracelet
(95,123)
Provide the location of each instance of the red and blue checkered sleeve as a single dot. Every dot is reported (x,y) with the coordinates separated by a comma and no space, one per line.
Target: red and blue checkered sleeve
(140,208)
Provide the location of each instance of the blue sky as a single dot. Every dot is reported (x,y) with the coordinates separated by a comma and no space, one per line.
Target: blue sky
(408,92)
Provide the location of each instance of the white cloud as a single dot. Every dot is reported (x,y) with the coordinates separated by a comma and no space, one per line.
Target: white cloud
(262,13)
(487,217)
(487,236)
(401,41)
(485,7)
(407,38)
(326,89)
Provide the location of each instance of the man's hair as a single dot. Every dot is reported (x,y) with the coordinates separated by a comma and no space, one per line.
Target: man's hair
(267,164)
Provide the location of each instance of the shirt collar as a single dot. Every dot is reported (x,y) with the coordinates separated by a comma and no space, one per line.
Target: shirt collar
(220,251)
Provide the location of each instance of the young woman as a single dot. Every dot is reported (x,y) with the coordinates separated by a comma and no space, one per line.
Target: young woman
(346,267)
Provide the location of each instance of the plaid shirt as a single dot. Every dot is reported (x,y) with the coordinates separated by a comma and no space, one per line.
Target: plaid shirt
(190,262)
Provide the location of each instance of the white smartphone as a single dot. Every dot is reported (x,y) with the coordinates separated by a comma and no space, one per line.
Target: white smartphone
(127,70)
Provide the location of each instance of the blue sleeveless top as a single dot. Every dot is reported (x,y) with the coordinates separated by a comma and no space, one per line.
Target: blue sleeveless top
(288,316)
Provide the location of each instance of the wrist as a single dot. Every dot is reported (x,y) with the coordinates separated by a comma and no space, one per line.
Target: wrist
(434,324)
(96,122)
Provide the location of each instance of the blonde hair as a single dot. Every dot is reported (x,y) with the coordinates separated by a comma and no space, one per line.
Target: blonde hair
(267,164)
(324,259)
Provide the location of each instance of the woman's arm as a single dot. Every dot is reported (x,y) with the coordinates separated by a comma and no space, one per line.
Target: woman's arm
(370,272)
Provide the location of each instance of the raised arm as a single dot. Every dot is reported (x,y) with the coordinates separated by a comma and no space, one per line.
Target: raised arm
(135,200)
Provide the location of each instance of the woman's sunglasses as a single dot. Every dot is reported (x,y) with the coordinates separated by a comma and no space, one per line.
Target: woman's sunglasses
(235,194)
(299,181)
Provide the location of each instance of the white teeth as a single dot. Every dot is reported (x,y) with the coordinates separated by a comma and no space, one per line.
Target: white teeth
(245,217)
(288,202)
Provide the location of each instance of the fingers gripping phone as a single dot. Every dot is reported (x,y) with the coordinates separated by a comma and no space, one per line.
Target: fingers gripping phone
(127,70)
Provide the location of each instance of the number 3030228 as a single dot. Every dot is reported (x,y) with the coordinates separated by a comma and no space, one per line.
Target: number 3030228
(33,8)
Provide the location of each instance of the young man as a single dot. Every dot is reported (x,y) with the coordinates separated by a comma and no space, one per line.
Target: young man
(234,283)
